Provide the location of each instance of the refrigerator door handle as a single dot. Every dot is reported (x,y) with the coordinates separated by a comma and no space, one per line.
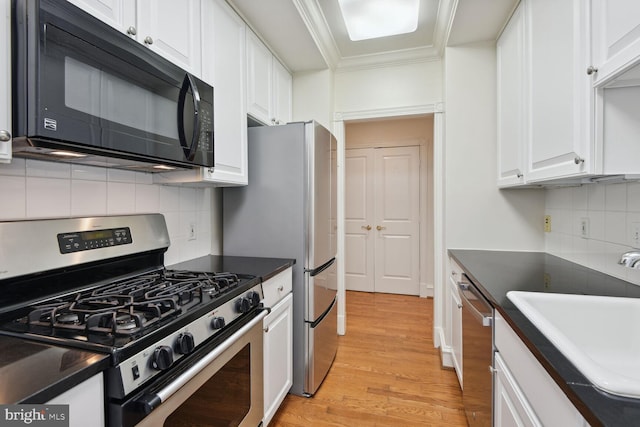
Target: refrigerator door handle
(318,270)
(321,318)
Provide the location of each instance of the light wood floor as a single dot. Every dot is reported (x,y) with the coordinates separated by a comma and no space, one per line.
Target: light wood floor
(386,372)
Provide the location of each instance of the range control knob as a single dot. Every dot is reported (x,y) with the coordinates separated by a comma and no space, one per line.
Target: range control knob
(162,357)
(185,343)
(243,305)
(254,297)
(217,322)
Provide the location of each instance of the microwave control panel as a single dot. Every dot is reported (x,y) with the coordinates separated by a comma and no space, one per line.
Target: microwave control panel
(94,239)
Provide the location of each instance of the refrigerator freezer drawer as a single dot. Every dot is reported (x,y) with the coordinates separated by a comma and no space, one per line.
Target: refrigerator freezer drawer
(322,348)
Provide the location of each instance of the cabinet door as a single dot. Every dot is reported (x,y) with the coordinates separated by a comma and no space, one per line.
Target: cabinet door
(456,328)
(616,37)
(282,88)
(559,90)
(172,29)
(120,14)
(510,51)
(259,79)
(224,66)
(510,406)
(5,82)
(278,356)
(86,402)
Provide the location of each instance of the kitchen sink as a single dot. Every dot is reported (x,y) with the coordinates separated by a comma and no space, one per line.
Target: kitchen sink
(600,335)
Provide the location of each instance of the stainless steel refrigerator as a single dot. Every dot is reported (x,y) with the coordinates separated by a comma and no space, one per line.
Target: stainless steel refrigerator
(288,210)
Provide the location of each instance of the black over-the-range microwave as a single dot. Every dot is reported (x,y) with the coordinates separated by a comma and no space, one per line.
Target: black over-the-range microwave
(83,92)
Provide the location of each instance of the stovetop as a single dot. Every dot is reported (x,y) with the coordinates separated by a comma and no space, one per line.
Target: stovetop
(115,315)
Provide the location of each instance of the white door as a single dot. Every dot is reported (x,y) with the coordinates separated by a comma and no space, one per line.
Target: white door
(383,193)
(359,219)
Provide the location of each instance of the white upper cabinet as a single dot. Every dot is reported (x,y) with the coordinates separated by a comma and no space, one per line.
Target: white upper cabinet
(545,97)
(169,28)
(5,82)
(510,51)
(282,94)
(269,85)
(616,39)
(120,14)
(172,29)
(559,109)
(224,38)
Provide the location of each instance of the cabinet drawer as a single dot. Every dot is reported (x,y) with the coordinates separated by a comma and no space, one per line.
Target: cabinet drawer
(549,403)
(277,287)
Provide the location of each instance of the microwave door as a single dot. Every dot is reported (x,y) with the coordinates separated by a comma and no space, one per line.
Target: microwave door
(187,115)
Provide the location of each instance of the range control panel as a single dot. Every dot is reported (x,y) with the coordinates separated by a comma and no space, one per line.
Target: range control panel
(95,239)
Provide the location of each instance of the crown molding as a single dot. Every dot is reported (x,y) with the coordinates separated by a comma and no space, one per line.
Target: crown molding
(317,25)
(380,60)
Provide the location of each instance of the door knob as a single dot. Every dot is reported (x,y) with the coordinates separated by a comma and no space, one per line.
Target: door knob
(379,227)
(366,227)
(148,40)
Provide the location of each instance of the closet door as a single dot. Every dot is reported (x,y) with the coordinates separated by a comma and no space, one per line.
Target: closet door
(382,205)
(359,219)
(397,228)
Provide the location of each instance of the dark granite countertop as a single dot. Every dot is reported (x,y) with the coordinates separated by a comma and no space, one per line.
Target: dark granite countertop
(265,268)
(498,272)
(34,372)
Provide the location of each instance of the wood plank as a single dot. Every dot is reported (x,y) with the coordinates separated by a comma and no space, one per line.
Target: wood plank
(386,372)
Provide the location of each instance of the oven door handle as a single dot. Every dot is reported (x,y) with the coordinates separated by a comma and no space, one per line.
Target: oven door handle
(152,401)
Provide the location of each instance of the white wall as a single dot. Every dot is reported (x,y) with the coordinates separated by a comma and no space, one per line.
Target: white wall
(36,189)
(394,86)
(477,214)
(313,97)
(610,209)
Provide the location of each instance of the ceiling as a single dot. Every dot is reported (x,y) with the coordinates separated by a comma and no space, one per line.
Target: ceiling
(311,35)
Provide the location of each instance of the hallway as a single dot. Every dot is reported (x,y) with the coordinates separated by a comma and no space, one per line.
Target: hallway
(386,372)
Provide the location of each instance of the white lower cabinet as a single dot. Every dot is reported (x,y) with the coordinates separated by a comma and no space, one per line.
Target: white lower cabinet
(524,394)
(455,305)
(278,342)
(86,402)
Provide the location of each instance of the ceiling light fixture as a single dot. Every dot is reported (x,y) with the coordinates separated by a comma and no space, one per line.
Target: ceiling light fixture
(369,19)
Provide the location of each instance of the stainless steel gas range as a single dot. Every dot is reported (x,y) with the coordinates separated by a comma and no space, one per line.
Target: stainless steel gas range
(178,341)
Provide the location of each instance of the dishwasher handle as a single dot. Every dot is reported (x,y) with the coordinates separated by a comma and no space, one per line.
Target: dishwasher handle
(486,319)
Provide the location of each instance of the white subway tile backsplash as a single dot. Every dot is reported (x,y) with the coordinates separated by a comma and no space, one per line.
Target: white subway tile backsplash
(120,175)
(611,210)
(596,200)
(147,198)
(48,169)
(13,204)
(17,167)
(37,189)
(580,198)
(616,197)
(47,197)
(88,198)
(633,197)
(88,173)
(615,227)
(169,199)
(121,198)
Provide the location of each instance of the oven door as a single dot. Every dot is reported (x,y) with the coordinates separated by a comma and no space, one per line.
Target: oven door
(220,384)
(84,87)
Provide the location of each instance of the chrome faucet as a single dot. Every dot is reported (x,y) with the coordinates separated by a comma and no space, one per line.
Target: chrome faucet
(630,259)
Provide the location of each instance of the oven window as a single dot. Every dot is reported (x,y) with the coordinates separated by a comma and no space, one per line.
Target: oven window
(224,400)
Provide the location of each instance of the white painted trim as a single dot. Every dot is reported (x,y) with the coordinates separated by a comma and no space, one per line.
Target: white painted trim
(446,352)
(438,185)
(438,229)
(426,290)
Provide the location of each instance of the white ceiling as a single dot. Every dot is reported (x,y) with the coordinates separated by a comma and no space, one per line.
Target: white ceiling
(311,35)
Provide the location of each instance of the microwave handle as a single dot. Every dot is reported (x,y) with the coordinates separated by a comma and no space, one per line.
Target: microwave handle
(189,149)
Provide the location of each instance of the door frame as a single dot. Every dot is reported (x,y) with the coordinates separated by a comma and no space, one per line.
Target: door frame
(437,109)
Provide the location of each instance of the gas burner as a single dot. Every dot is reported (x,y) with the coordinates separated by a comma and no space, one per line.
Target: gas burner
(68,318)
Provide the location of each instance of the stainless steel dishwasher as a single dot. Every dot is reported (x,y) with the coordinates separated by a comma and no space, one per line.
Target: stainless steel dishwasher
(477,354)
